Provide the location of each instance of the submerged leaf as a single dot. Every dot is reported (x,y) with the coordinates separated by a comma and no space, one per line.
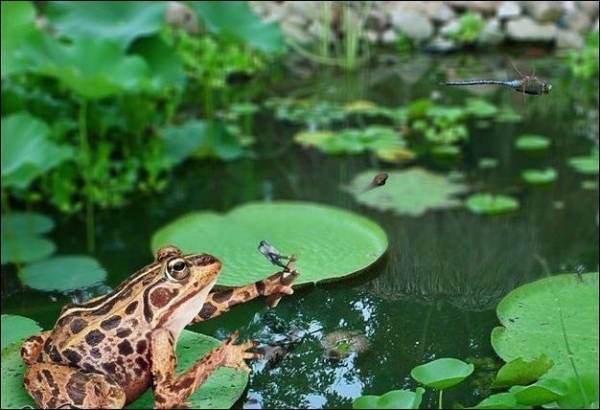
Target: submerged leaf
(410,192)
(329,242)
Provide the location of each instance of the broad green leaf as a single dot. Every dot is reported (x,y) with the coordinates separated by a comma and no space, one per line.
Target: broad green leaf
(63,273)
(410,192)
(508,115)
(491,204)
(531,324)
(25,248)
(539,176)
(531,142)
(92,68)
(480,108)
(18,21)
(522,372)
(585,165)
(236,20)
(330,243)
(546,390)
(16,328)
(221,390)
(27,152)
(395,399)
(25,224)
(499,401)
(441,374)
(165,66)
(582,392)
(121,21)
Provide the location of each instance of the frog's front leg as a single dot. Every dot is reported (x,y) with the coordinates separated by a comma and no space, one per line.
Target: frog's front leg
(58,386)
(171,390)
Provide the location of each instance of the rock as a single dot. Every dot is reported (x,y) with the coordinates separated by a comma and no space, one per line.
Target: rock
(484,7)
(372,36)
(439,11)
(450,28)
(576,20)
(389,36)
(310,10)
(491,34)
(568,39)
(526,29)
(544,11)
(377,20)
(589,7)
(180,15)
(441,45)
(415,25)
(508,9)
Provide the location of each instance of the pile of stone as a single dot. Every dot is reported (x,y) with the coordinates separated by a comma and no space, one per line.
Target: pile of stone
(434,24)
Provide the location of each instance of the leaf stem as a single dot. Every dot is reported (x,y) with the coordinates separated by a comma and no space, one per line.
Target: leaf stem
(440,399)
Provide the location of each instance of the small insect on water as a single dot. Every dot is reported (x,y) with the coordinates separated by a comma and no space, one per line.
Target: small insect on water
(378,180)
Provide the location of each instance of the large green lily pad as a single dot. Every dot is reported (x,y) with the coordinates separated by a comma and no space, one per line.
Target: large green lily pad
(395,399)
(330,243)
(531,324)
(16,328)
(443,373)
(221,390)
(411,192)
(63,273)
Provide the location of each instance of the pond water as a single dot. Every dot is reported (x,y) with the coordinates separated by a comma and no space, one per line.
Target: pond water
(434,292)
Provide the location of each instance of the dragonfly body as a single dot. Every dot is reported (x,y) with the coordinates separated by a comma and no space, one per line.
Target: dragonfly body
(527,85)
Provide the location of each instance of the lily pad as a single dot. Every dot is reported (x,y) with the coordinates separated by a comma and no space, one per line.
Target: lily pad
(62,273)
(539,177)
(18,21)
(330,243)
(545,391)
(20,237)
(27,152)
(395,399)
(411,192)
(491,204)
(121,22)
(487,163)
(16,328)
(531,142)
(25,223)
(532,326)
(480,108)
(441,374)
(508,115)
(585,165)
(522,372)
(221,390)
(500,401)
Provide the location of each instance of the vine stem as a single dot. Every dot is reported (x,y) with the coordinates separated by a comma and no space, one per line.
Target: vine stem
(563,328)
(85,161)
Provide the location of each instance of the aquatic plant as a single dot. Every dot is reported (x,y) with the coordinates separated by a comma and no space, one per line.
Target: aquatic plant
(442,374)
(485,203)
(469,28)
(532,142)
(587,165)
(48,274)
(395,399)
(539,177)
(22,239)
(584,63)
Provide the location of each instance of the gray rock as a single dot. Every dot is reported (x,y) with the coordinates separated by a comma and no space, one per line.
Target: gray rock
(441,44)
(544,11)
(180,15)
(389,36)
(526,29)
(568,39)
(589,7)
(415,25)
(450,28)
(491,34)
(508,9)
(484,7)
(439,11)
(296,32)
(372,36)
(576,20)
(377,20)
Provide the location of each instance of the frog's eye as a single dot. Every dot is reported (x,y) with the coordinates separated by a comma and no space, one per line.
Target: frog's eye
(177,269)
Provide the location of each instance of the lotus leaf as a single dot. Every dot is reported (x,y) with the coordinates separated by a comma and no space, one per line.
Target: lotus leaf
(523,372)
(537,177)
(585,165)
(545,391)
(18,22)
(395,399)
(330,243)
(491,204)
(532,318)
(20,237)
(16,328)
(410,192)
(63,273)
(530,142)
(441,374)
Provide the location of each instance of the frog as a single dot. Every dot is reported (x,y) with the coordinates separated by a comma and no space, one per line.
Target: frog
(106,352)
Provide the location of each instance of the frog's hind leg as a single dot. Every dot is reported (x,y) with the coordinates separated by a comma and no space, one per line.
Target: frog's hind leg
(57,386)
(32,347)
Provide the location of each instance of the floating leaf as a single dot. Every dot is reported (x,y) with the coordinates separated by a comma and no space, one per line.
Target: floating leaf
(121,22)
(235,19)
(585,165)
(508,115)
(63,273)
(410,192)
(491,204)
(486,163)
(582,392)
(92,68)
(523,372)
(20,237)
(329,242)
(545,391)
(25,224)
(531,324)
(221,390)
(499,401)
(538,177)
(16,328)
(395,399)
(531,142)
(18,22)
(27,153)
(480,108)
(442,373)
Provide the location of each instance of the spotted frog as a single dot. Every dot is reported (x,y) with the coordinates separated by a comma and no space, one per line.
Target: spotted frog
(106,352)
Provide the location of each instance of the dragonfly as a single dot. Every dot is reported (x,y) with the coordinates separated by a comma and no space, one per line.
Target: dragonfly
(527,84)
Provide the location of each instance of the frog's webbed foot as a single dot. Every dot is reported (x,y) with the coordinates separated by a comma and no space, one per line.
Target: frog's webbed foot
(235,356)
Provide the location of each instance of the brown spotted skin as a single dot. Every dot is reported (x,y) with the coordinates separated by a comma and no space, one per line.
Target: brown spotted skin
(107,352)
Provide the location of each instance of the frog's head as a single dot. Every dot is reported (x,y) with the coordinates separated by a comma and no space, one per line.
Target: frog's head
(185,281)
